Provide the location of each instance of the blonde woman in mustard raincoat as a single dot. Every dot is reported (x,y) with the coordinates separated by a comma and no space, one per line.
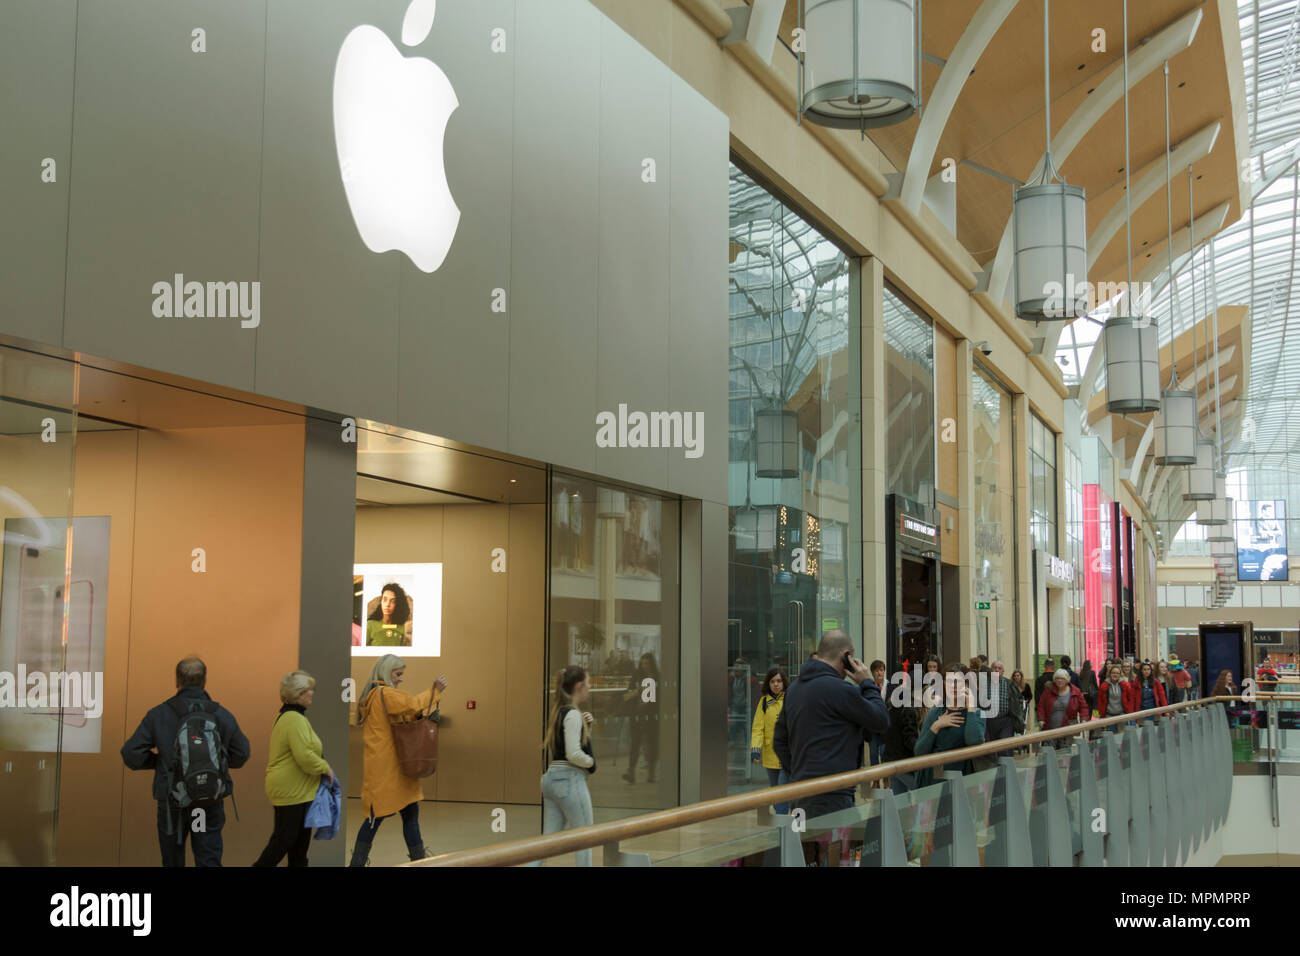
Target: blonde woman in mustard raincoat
(385,790)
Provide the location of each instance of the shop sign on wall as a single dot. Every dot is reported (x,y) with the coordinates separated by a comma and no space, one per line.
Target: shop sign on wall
(916,528)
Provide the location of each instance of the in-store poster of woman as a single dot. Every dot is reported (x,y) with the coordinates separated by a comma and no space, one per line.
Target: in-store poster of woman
(390,620)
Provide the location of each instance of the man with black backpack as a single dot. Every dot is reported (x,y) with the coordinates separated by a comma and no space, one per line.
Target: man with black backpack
(191,743)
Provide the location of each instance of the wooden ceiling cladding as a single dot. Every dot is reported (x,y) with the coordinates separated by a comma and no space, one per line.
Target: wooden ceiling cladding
(998,119)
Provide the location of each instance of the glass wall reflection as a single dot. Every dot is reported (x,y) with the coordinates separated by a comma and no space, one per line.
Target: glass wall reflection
(38,431)
(995,528)
(794,452)
(909,387)
(614,612)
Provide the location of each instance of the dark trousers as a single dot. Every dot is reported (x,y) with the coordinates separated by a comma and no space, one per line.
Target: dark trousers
(645,732)
(370,826)
(185,824)
(823,803)
(288,837)
(999,728)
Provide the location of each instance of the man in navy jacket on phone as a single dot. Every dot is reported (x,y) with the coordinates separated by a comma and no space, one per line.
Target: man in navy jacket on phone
(826,720)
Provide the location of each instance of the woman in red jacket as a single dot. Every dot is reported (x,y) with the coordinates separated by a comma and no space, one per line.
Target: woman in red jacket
(1150,692)
(1116,695)
(1061,703)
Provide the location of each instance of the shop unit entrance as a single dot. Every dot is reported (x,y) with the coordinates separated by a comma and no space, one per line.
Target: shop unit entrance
(913,582)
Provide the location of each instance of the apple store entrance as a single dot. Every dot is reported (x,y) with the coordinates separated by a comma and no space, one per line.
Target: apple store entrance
(496,573)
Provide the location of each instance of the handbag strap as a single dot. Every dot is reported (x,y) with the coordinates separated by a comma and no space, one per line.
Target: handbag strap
(384,704)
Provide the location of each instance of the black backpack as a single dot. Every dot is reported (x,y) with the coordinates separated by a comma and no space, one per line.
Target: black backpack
(199,773)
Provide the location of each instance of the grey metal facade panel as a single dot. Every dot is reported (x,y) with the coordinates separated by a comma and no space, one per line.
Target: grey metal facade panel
(36,60)
(166,164)
(329,333)
(633,274)
(697,334)
(325,605)
(553,240)
(714,543)
(222,166)
(453,349)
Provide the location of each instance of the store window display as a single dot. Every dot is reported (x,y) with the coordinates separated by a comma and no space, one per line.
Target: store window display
(614,613)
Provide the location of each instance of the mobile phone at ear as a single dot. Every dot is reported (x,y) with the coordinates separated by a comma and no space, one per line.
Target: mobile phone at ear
(848,661)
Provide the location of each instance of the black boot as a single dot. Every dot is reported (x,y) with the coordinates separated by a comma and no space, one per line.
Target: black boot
(360,853)
(420,852)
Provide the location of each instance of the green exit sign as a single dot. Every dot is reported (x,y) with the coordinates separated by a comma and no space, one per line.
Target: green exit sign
(983,605)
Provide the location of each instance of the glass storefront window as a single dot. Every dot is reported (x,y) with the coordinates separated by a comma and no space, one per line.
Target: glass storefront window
(38,431)
(995,528)
(794,451)
(1042,485)
(909,386)
(614,612)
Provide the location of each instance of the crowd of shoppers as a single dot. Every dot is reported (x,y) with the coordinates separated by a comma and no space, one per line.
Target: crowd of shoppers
(819,724)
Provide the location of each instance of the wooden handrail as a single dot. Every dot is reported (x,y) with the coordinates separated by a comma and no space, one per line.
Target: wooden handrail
(584,838)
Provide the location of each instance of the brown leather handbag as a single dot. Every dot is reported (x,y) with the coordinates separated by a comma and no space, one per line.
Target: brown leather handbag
(416,742)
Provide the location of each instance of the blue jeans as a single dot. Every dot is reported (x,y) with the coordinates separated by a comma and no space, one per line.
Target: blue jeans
(876,749)
(774,779)
(566,804)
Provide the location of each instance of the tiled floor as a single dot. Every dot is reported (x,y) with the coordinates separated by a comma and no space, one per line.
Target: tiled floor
(459,826)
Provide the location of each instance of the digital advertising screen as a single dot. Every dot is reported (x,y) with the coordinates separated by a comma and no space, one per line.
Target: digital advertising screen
(1261,540)
(397,609)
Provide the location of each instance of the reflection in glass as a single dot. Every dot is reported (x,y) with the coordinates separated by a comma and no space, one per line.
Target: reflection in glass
(614,613)
(38,430)
(794,452)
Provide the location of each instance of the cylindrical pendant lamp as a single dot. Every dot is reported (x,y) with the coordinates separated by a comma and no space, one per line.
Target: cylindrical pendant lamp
(1049,228)
(1200,476)
(861,68)
(1218,511)
(776,441)
(1176,430)
(1132,365)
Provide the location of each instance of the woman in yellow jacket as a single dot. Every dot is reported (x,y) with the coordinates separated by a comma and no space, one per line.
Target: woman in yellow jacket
(760,741)
(293,772)
(385,790)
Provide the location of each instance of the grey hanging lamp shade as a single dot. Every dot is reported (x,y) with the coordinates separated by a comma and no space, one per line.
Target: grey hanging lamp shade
(1223,532)
(1200,476)
(1132,346)
(861,65)
(610,503)
(1132,365)
(1176,430)
(776,443)
(1216,511)
(1049,230)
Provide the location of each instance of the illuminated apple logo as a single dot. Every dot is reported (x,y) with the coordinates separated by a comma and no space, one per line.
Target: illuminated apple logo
(390,114)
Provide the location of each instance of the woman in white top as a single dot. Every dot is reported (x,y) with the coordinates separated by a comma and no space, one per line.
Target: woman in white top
(566,802)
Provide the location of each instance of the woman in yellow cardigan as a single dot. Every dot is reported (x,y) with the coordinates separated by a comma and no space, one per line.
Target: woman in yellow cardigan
(760,741)
(385,790)
(293,772)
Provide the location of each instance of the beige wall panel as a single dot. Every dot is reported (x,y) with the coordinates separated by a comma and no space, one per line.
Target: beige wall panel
(90,801)
(492,642)
(471,756)
(237,493)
